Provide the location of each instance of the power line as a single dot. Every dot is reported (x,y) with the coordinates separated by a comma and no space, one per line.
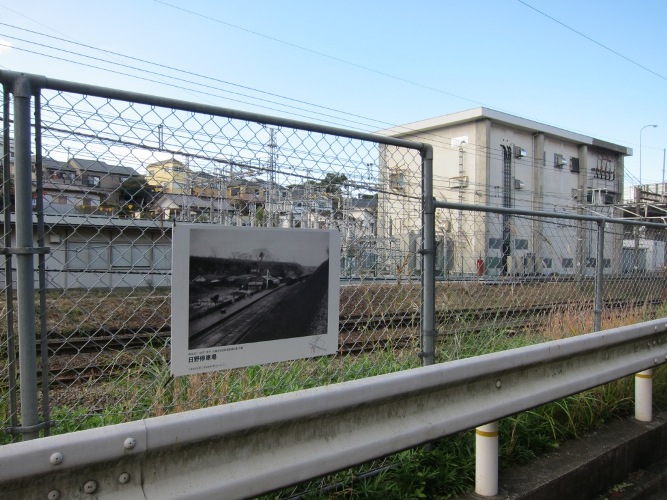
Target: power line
(322,54)
(198,75)
(435,139)
(494,153)
(631,61)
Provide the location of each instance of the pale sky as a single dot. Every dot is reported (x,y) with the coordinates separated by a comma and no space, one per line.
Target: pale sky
(596,67)
(306,247)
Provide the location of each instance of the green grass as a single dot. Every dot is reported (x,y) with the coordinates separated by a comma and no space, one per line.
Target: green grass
(442,470)
(446,468)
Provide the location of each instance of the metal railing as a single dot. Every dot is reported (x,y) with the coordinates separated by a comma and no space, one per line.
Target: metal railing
(252,447)
(87,234)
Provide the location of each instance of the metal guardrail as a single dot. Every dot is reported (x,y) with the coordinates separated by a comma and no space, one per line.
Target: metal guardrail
(244,449)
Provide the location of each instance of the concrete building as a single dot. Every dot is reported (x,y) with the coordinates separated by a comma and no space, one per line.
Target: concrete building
(486,157)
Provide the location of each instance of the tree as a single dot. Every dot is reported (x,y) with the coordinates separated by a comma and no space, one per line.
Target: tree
(332,183)
(136,193)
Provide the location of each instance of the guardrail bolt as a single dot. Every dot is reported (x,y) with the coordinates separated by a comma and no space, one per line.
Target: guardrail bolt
(124,478)
(90,486)
(130,443)
(57,458)
(53,495)
(498,384)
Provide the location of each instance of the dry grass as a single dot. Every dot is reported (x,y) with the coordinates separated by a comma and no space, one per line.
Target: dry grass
(81,312)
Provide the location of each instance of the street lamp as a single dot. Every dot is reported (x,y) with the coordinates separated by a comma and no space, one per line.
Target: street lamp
(640,152)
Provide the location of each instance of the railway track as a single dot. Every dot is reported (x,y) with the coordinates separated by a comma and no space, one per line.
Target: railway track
(125,339)
(358,335)
(107,341)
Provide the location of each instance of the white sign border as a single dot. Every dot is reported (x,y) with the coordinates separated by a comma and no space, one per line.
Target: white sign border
(187,362)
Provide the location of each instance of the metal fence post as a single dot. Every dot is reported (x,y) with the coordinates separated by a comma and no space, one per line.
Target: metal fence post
(599,273)
(428,260)
(24,254)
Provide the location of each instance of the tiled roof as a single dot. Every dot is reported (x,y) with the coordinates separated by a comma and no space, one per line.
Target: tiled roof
(101,167)
(183,200)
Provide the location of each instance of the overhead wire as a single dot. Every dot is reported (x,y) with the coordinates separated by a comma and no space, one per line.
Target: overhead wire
(433,138)
(165,83)
(592,40)
(322,54)
(494,153)
(194,74)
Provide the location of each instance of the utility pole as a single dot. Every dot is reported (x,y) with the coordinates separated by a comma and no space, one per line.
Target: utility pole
(663,174)
(272,177)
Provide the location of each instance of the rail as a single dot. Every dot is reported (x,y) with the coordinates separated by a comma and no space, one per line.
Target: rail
(244,449)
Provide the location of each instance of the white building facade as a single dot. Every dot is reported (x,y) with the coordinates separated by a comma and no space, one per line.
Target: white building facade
(486,157)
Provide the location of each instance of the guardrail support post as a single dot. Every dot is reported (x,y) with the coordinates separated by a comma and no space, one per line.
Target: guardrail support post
(486,460)
(644,396)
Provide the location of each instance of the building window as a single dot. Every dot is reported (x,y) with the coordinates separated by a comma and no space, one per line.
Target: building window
(520,244)
(93,181)
(591,262)
(606,263)
(88,256)
(574,165)
(397,180)
(495,243)
(547,262)
(493,262)
(129,255)
(600,197)
(568,263)
(609,198)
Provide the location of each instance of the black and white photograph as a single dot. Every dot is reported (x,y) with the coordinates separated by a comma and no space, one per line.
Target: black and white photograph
(244,296)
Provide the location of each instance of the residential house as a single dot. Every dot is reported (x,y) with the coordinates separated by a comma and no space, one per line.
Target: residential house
(102,180)
(184,207)
(170,176)
(82,186)
(247,196)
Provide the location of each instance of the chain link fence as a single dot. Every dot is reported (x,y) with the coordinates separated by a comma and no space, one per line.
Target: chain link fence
(113,172)
(110,178)
(507,278)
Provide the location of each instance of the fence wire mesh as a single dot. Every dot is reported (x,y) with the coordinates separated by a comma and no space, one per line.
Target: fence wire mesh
(539,282)
(112,177)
